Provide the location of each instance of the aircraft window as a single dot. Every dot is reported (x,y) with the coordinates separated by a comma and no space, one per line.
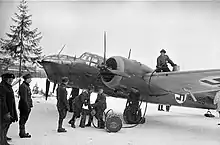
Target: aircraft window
(66,61)
(93,64)
(87,62)
(82,57)
(86,57)
(95,60)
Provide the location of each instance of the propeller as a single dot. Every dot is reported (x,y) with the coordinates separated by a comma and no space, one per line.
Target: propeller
(104,70)
(54,86)
(119,73)
(104,48)
(129,54)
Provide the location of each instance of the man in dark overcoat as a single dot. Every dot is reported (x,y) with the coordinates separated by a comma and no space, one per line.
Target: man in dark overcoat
(99,106)
(8,113)
(62,103)
(25,105)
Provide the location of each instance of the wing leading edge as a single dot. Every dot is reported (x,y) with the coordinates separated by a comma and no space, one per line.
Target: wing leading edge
(186,82)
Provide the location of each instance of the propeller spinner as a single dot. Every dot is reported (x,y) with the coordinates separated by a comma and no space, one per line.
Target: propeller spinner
(106,69)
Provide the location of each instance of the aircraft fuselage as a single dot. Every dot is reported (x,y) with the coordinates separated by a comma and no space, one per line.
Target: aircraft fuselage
(81,75)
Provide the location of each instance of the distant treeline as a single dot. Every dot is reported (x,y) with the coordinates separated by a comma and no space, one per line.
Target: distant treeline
(35,72)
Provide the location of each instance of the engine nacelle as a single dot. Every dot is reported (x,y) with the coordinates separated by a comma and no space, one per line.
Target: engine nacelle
(128,66)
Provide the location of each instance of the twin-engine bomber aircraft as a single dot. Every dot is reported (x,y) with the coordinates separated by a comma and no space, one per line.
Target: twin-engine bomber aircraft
(117,75)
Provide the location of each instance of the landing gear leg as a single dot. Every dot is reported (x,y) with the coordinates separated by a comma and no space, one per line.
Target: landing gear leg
(47,88)
(167,108)
(132,114)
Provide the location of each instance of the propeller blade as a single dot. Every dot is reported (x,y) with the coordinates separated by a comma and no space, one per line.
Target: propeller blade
(54,86)
(129,54)
(47,88)
(119,73)
(104,47)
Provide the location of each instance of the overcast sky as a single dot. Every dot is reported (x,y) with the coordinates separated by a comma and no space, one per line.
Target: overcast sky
(188,31)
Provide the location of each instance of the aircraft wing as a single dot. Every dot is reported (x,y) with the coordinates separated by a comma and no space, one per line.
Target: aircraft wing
(186,82)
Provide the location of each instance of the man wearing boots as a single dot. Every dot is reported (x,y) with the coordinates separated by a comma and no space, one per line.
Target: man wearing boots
(100,106)
(62,103)
(162,66)
(78,106)
(8,113)
(25,105)
(87,110)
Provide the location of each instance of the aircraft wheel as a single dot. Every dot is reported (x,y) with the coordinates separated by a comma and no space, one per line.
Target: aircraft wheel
(131,118)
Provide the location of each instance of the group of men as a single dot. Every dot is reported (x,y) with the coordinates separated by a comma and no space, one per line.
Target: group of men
(80,106)
(79,102)
(8,112)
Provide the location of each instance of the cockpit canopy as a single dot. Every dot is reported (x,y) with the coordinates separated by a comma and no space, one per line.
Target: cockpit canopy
(91,59)
(64,59)
(88,58)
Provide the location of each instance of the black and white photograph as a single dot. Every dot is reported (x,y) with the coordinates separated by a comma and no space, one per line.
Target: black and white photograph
(113,72)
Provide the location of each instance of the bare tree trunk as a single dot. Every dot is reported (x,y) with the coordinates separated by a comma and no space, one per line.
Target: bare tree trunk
(19,74)
(21,51)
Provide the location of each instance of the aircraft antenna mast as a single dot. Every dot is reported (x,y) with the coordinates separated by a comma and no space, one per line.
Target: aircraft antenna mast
(61,49)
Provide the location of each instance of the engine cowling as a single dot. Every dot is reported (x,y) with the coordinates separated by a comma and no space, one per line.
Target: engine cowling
(127,66)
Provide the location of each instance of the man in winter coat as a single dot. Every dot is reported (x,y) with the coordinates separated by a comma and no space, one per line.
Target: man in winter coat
(25,105)
(62,103)
(77,105)
(86,109)
(217,102)
(162,66)
(100,106)
(162,61)
(8,113)
(73,94)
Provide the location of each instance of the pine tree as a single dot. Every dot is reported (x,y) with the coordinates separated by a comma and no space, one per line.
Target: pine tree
(23,42)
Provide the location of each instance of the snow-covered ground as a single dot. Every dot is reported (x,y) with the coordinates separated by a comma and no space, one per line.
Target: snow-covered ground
(180,126)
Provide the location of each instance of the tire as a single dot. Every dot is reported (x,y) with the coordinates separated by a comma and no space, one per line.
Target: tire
(129,118)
